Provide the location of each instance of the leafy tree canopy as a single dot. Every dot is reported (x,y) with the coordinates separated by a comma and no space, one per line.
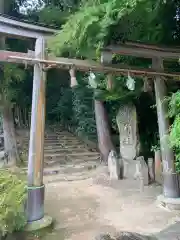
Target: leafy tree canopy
(98,23)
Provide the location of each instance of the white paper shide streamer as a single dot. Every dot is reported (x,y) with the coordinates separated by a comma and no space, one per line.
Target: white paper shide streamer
(130,83)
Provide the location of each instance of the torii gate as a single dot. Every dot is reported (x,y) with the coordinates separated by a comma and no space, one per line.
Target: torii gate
(35,201)
(11,27)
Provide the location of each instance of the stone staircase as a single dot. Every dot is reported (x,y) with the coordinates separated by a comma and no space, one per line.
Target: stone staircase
(63,150)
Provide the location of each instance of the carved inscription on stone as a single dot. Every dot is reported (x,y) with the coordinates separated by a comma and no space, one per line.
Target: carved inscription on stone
(127,124)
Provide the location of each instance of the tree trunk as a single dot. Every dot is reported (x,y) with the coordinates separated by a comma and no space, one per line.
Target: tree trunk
(7,115)
(10,144)
(103,132)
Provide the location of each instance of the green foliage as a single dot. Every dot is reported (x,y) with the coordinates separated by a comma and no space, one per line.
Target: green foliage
(175,132)
(10,74)
(174,112)
(12,200)
(98,23)
(87,30)
(83,110)
(155,148)
(174,104)
(52,16)
(75,111)
(63,108)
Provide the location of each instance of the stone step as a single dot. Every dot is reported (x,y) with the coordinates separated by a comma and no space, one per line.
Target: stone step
(87,153)
(45,140)
(66,150)
(66,136)
(69,142)
(49,141)
(69,148)
(46,144)
(46,136)
(58,145)
(71,154)
(59,164)
(67,160)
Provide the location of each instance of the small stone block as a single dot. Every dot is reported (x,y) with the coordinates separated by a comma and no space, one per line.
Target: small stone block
(45,222)
(172,204)
(151,169)
(142,170)
(113,166)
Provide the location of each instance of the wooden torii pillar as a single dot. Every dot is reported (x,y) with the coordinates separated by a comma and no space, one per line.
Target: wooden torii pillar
(35,202)
(170,177)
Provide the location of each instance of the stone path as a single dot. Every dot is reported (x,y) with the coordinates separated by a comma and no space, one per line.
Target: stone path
(84,208)
(83,202)
(63,152)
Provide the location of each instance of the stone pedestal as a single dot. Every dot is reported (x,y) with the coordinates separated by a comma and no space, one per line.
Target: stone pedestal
(35,209)
(44,222)
(171,187)
(35,203)
(172,204)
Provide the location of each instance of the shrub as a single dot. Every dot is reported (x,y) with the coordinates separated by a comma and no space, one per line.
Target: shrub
(12,199)
(174,113)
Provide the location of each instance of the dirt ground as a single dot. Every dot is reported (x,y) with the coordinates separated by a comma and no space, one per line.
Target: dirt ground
(85,203)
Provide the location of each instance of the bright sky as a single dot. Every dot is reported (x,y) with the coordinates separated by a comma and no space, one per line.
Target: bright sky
(30,4)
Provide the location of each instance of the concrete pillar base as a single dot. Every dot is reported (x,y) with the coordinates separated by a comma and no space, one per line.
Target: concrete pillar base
(44,222)
(172,204)
(35,203)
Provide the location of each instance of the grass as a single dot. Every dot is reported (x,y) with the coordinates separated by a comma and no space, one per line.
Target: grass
(12,200)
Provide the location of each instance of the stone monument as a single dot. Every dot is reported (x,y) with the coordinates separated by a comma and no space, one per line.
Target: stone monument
(128,134)
(142,172)
(114,165)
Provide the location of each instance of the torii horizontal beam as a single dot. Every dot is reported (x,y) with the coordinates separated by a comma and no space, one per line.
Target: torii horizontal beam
(82,65)
(13,27)
(138,49)
(4,55)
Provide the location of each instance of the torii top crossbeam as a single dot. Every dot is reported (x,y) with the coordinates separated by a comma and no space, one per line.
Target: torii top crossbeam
(144,50)
(13,27)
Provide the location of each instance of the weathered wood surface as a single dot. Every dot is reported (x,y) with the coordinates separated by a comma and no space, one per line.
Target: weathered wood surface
(36,148)
(158,167)
(143,50)
(13,27)
(163,121)
(86,65)
(82,65)
(4,55)
(104,137)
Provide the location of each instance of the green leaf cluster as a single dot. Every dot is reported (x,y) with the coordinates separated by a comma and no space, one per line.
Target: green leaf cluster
(9,74)
(83,111)
(12,200)
(75,111)
(52,16)
(86,30)
(174,112)
(101,22)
